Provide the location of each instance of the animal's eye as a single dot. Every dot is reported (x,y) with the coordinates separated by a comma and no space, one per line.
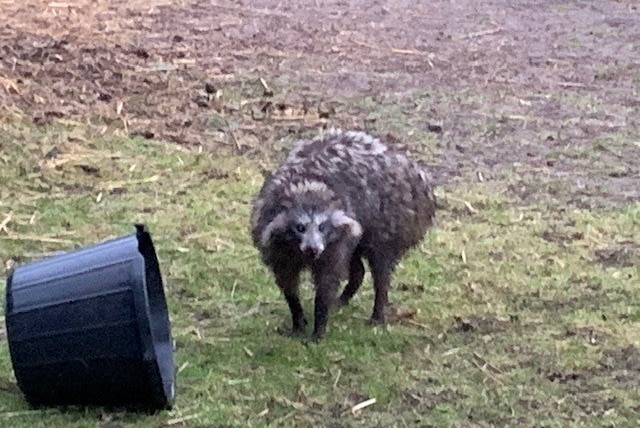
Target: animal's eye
(322,227)
(300,227)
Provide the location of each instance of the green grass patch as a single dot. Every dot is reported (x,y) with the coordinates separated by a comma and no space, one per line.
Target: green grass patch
(523,314)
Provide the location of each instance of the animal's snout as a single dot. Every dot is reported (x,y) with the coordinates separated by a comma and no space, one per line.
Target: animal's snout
(312,244)
(311,252)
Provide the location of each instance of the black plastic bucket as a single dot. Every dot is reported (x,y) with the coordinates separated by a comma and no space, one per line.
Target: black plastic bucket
(91,327)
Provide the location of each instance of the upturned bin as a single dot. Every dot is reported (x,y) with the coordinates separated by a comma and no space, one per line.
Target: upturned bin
(91,326)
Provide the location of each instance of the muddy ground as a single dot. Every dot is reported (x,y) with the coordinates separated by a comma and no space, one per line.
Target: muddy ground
(538,99)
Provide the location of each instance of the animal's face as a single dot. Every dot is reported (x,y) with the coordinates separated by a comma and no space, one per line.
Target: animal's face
(312,230)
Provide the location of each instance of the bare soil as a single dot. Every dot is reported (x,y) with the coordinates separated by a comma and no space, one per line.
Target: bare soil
(539,98)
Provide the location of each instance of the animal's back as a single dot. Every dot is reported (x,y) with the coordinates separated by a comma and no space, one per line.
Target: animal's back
(389,192)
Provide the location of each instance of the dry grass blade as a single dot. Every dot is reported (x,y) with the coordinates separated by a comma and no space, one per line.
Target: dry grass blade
(363,405)
(267,90)
(335,382)
(34,238)
(247,9)
(10,85)
(179,421)
(487,373)
(126,183)
(182,367)
(467,204)
(39,255)
(5,222)
(253,310)
(571,84)
(481,33)
(394,50)
(414,323)
(7,415)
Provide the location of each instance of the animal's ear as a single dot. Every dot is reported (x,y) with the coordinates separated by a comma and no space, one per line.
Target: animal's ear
(277,225)
(340,219)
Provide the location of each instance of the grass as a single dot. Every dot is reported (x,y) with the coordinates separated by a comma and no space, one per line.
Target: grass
(523,314)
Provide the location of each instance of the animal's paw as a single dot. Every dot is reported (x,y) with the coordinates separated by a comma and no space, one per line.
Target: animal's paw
(296,330)
(340,302)
(289,331)
(313,339)
(376,321)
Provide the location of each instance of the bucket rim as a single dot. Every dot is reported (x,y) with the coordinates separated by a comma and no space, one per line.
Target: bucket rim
(153,315)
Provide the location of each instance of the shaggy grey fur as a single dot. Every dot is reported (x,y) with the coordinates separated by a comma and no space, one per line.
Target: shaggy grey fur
(337,199)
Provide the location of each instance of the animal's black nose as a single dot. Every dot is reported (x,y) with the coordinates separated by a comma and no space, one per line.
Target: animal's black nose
(310,252)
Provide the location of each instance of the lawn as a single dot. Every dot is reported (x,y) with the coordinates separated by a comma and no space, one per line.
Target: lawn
(505,313)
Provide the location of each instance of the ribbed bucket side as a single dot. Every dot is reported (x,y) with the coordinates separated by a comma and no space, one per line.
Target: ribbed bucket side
(91,326)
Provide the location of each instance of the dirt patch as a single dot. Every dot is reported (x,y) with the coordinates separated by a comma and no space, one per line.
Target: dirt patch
(561,236)
(590,335)
(618,368)
(624,254)
(424,400)
(627,358)
(579,292)
(562,305)
(563,377)
(533,98)
(480,324)
(592,390)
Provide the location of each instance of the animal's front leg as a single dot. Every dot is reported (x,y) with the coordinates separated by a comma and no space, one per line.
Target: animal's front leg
(327,274)
(327,279)
(298,320)
(288,281)
(325,294)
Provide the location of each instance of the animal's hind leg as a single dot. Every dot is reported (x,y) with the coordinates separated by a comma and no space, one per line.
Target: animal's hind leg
(288,281)
(381,272)
(356,275)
